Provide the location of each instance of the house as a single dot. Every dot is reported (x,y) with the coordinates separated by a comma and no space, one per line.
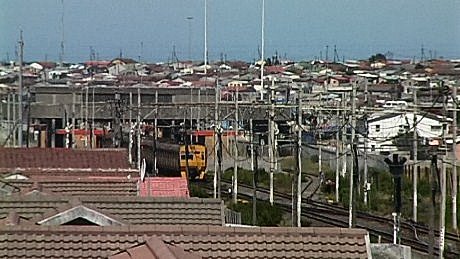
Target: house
(179,241)
(42,159)
(38,67)
(383,128)
(237,84)
(122,66)
(336,81)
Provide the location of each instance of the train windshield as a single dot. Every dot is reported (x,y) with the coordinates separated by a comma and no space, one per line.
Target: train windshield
(190,156)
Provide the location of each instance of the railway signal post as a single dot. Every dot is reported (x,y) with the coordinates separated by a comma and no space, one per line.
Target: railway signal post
(396,169)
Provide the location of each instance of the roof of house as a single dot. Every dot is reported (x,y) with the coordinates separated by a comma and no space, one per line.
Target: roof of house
(206,241)
(78,186)
(38,205)
(34,158)
(155,248)
(164,187)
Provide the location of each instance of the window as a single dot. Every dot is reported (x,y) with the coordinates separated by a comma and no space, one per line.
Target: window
(372,148)
(377,128)
(190,157)
(436,128)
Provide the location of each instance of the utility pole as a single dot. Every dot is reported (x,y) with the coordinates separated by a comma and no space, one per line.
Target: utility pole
(21,57)
(86,117)
(191,113)
(344,137)
(216,139)
(255,168)
(262,51)
(14,128)
(93,136)
(271,139)
(318,127)
(442,214)
(198,120)
(235,153)
(337,155)
(254,175)
(155,160)
(28,119)
(219,160)
(138,128)
(366,185)
(251,132)
(454,169)
(434,173)
(351,219)
(415,151)
(8,118)
(74,100)
(299,161)
(130,143)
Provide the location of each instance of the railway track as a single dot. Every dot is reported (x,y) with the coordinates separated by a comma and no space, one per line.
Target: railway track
(412,234)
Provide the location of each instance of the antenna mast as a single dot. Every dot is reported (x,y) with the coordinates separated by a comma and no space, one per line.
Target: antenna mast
(61,55)
(205,36)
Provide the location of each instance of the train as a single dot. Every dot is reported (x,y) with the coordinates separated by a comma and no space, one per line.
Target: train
(171,159)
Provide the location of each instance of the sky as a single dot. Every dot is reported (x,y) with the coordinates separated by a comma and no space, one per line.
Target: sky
(295,29)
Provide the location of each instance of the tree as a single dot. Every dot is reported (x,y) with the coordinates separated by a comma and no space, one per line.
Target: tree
(379,57)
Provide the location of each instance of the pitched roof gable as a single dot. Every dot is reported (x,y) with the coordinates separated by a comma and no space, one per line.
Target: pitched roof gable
(129,209)
(80,212)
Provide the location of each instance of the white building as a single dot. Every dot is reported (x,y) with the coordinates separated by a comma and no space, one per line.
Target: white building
(383,128)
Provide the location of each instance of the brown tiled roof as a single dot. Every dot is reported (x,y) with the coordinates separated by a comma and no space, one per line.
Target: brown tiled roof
(209,242)
(79,186)
(37,173)
(12,158)
(155,248)
(132,210)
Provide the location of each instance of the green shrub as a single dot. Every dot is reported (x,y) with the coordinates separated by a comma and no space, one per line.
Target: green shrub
(196,191)
(267,215)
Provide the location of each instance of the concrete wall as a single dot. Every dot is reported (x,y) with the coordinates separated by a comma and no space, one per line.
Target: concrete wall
(390,251)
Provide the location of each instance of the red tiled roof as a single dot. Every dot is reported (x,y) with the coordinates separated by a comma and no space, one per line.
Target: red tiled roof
(97,63)
(12,158)
(164,187)
(209,242)
(274,69)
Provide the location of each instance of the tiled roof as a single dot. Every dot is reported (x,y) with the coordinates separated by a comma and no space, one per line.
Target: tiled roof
(132,210)
(164,187)
(34,173)
(209,242)
(155,248)
(79,186)
(12,158)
